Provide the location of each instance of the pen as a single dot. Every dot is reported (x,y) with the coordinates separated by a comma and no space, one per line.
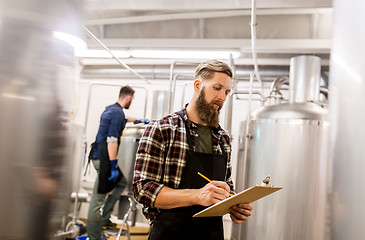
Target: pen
(209,180)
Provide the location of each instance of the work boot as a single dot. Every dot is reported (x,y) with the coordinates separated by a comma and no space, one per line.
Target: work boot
(108,224)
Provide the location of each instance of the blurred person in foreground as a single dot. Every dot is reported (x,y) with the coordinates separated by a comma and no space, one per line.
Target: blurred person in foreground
(110,180)
(174,149)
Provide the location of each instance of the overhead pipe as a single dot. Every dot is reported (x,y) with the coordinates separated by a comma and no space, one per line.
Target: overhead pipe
(253,41)
(241,92)
(118,60)
(163,73)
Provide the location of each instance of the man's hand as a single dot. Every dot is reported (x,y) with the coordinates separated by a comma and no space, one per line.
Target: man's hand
(240,212)
(114,170)
(212,193)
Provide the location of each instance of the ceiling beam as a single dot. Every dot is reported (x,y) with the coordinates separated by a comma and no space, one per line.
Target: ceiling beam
(272,61)
(201,15)
(178,5)
(244,45)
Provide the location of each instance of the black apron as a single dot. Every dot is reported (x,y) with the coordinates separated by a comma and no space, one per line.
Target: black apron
(178,223)
(106,185)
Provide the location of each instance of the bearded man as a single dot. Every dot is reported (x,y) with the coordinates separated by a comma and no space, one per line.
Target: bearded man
(174,149)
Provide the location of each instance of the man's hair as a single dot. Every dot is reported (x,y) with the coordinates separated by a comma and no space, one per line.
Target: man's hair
(206,70)
(125,91)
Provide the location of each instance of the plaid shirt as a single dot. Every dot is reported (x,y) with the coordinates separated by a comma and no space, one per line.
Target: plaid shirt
(165,140)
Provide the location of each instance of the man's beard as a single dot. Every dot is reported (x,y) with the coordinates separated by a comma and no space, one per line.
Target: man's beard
(206,111)
(128,105)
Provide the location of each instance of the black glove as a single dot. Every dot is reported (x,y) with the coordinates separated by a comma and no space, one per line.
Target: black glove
(145,121)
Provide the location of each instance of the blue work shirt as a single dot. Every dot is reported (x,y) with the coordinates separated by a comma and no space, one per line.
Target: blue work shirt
(112,123)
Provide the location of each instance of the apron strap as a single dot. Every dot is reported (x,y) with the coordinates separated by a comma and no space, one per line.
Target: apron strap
(187,131)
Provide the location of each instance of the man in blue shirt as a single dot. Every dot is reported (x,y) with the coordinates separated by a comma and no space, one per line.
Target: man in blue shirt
(104,155)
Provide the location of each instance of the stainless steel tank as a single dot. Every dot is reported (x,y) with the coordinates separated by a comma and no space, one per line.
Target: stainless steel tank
(127,152)
(36,100)
(288,142)
(159,104)
(127,157)
(347,115)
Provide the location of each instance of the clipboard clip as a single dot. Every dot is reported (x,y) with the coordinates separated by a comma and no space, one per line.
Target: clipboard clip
(266,182)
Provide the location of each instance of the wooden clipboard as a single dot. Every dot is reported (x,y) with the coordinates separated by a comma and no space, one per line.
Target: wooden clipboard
(247,196)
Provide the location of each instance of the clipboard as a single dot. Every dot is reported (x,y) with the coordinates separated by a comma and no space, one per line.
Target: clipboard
(247,196)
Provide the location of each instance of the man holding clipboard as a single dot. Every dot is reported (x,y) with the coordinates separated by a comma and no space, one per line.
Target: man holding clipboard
(174,149)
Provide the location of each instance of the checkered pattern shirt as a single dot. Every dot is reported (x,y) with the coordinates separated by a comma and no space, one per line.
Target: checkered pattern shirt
(161,153)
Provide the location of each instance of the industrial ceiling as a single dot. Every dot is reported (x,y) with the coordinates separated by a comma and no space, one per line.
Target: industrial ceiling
(284,28)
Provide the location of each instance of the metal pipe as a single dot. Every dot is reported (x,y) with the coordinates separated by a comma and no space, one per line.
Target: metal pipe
(176,77)
(324,91)
(229,101)
(324,77)
(262,97)
(228,114)
(253,99)
(145,101)
(228,122)
(183,94)
(248,138)
(172,67)
(276,85)
(125,218)
(64,234)
(163,73)
(253,41)
(78,175)
(118,60)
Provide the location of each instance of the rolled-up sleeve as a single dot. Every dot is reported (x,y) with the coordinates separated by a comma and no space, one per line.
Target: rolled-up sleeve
(149,166)
(115,118)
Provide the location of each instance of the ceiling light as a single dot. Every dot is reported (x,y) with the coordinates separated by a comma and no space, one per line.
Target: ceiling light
(105,54)
(78,44)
